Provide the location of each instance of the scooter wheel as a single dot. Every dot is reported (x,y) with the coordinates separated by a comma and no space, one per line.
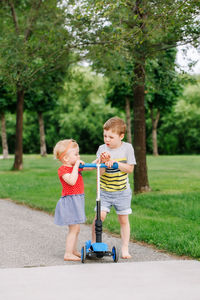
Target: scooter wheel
(83,254)
(115,254)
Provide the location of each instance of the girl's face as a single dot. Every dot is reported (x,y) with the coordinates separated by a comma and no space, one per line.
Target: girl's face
(112,139)
(72,156)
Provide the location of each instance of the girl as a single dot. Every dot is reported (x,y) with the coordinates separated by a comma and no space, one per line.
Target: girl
(70,209)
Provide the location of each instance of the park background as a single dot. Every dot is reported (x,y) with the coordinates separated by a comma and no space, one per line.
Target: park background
(66,69)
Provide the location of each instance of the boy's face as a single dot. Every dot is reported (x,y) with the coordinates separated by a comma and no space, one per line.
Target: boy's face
(112,139)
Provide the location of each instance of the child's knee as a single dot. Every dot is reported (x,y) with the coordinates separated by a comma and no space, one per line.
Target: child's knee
(75,228)
(123,219)
(103,216)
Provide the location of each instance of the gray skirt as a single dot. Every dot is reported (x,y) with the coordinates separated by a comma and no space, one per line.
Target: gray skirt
(70,210)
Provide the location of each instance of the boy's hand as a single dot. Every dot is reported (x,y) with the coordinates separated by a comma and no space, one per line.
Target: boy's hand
(105,157)
(110,163)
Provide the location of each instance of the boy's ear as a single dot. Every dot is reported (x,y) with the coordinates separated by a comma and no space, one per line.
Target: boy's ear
(121,136)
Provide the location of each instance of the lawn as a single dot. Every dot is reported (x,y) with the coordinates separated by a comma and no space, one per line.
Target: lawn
(168,217)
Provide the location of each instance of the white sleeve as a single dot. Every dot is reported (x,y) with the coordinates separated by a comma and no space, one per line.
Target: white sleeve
(131,155)
(100,150)
(98,153)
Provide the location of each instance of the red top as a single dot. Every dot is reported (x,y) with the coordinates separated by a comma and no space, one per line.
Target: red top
(78,188)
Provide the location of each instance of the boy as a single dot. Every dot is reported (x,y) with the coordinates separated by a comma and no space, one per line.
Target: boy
(115,188)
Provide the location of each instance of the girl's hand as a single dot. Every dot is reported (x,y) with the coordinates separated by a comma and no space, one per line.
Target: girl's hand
(78,162)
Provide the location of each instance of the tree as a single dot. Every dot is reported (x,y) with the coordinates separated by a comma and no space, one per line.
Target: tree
(33,38)
(142,28)
(7,103)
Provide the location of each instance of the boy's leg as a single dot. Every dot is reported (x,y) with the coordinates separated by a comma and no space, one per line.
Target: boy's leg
(71,241)
(125,234)
(103,216)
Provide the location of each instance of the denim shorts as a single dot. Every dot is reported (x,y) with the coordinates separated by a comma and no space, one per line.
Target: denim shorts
(70,210)
(120,200)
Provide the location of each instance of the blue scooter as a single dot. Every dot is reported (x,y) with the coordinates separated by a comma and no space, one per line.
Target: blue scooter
(98,249)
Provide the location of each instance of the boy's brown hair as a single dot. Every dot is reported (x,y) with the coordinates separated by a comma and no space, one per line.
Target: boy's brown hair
(116,125)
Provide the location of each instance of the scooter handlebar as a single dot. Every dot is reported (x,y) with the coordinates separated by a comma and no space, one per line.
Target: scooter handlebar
(114,166)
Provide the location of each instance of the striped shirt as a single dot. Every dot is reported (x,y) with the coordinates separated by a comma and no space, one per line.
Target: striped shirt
(113,179)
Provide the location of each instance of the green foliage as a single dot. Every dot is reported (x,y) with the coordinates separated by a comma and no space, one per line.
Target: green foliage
(78,113)
(163,83)
(118,68)
(43,94)
(32,38)
(7,99)
(82,110)
(179,131)
(141,27)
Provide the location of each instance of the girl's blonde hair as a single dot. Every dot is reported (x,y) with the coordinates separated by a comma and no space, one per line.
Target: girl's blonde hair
(62,147)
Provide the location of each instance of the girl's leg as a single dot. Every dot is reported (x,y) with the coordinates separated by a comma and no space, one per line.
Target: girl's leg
(75,251)
(71,241)
(125,234)
(103,216)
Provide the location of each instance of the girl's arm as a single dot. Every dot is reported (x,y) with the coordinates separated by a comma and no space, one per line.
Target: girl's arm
(72,177)
(96,161)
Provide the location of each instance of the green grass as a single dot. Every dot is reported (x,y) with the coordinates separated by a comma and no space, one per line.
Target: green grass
(168,217)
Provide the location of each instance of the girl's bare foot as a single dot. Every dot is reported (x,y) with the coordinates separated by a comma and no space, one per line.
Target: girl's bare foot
(77,253)
(71,257)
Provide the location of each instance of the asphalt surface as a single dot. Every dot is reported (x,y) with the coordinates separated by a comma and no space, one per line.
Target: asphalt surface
(32,265)
(29,238)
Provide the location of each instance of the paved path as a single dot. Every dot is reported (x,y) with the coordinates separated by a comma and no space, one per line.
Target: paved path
(30,238)
(157,280)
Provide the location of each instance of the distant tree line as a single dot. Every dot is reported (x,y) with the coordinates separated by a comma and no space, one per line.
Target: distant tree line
(85,103)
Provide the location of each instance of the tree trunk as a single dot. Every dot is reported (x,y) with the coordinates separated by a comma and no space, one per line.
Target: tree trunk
(141,183)
(4,136)
(154,130)
(128,120)
(43,149)
(18,163)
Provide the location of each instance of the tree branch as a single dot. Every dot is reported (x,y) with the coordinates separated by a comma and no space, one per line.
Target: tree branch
(32,20)
(14,16)
(57,54)
(173,44)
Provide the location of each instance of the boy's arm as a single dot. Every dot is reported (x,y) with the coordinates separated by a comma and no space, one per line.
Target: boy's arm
(124,167)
